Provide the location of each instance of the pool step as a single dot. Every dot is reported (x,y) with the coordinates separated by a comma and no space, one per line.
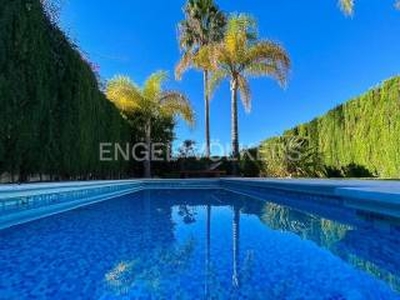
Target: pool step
(20,207)
(20,200)
(45,211)
(380,202)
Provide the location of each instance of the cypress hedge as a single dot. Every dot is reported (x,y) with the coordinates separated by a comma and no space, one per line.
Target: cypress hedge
(53,115)
(363,133)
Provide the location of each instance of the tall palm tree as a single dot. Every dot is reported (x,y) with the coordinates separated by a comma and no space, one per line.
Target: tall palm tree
(150,101)
(242,55)
(204,24)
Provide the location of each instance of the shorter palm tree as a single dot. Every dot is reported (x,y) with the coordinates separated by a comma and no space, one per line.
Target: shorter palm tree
(151,101)
(238,57)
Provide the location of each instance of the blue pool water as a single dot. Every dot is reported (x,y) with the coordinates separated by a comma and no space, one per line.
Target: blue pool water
(193,244)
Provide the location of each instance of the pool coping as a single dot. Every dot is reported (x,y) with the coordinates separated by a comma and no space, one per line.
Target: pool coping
(376,196)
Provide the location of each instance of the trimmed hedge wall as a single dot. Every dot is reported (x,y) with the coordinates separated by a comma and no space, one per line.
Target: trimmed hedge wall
(53,115)
(363,132)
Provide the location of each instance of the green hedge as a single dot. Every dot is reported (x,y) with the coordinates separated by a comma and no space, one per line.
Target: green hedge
(53,115)
(362,133)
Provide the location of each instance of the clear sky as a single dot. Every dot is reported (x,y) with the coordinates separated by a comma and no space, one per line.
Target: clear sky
(334,57)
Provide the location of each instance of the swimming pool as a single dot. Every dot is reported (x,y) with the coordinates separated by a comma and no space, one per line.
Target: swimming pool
(202,244)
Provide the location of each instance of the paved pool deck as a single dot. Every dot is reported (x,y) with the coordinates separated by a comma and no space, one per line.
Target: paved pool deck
(338,187)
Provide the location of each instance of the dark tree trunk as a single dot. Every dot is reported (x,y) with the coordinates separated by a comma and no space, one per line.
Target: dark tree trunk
(147,161)
(207,114)
(234,126)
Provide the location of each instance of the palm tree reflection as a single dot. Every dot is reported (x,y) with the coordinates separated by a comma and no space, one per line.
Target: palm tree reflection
(121,277)
(150,270)
(235,246)
(158,257)
(208,246)
(187,213)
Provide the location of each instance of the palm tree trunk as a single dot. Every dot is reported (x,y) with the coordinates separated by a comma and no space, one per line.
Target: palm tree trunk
(147,162)
(234,125)
(236,245)
(207,113)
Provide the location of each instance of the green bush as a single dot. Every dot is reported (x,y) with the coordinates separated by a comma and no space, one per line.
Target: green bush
(249,164)
(291,155)
(53,115)
(358,138)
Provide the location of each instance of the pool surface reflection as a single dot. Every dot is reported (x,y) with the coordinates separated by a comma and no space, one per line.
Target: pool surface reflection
(199,244)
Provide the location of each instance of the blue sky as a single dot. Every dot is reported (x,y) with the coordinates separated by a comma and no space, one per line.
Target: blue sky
(334,58)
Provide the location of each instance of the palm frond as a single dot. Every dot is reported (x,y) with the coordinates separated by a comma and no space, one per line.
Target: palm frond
(183,65)
(242,24)
(216,78)
(124,93)
(266,58)
(263,69)
(236,34)
(245,92)
(173,103)
(241,33)
(186,35)
(151,100)
(347,6)
(204,58)
(204,24)
(153,86)
(209,57)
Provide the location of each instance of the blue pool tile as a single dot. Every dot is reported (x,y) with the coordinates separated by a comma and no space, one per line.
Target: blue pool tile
(157,245)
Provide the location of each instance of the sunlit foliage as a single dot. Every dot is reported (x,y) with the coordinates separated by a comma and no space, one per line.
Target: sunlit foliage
(291,155)
(151,101)
(362,134)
